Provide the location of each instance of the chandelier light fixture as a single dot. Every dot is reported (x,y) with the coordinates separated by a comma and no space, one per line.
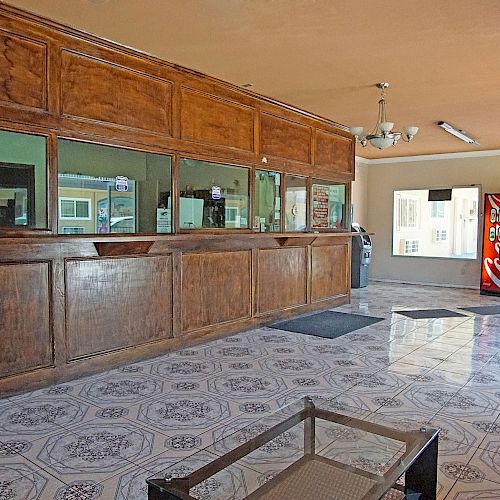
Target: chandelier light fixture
(382,136)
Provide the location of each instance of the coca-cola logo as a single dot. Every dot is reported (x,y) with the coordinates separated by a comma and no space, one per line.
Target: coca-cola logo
(492,266)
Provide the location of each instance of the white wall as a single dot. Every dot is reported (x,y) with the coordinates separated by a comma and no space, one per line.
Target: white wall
(359,195)
(385,178)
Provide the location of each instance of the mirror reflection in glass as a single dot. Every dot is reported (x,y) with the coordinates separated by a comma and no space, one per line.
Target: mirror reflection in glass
(212,195)
(295,203)
(267,201)
(327,205)
(104,189)
(22,180)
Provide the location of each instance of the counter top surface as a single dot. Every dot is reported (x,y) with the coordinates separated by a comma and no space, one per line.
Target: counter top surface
(117,238)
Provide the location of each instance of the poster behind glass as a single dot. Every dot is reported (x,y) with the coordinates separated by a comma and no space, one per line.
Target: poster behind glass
(328,205)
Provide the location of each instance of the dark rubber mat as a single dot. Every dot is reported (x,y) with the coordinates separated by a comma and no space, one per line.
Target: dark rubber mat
(328,324)
(482,310)
(430,313)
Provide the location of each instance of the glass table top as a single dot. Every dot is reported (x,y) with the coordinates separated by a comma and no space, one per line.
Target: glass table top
(308,450)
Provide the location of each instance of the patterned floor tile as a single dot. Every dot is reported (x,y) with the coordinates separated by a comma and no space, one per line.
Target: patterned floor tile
(236,352)
(447,377)
(483,490)
(290,365)
(31,419)
(332,350)
(242,385)
(457,437)
(180,412)
(96,450)
(93,432)
(344,403)
(471,403)
(430,397)
(484,465)
(22,480)
(234,481)
(120,388)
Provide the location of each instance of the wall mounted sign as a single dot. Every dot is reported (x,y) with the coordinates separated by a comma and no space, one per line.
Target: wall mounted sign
(121,183)
(163,220)
(215,192)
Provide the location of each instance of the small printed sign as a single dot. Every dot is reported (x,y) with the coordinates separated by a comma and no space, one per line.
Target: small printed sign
(121,183)
(163,220)
(215,192)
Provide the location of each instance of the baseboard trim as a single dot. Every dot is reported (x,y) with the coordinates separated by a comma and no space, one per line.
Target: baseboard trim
(423,283)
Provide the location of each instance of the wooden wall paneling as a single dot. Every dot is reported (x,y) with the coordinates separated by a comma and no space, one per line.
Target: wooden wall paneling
(283,202)
(175,166)
(209,119)
(52,195)
(176,109)
(117,248)
(251,198)
(216,288)
(334,151)
(309,274)
(284,138)
(58,300)
(54,78)
(112,303)
(255,281)
(329,271)
(256,132)
(309,183)
(282,278)
(25,317)
(177,294)
(43,250)
(23,71)
(105,92)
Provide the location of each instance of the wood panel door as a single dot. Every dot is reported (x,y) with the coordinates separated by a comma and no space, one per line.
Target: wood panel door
(26,337)
(112,303)
(330,271)
(282,278)
(216,288)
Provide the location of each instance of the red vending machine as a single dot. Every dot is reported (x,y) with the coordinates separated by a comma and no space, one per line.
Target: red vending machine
(490,268)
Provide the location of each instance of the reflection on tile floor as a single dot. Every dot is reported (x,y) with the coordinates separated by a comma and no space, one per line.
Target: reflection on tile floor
(101,436)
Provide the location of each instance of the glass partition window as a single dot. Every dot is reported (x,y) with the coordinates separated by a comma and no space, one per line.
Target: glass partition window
(23,180)
(442,228)
(328,205)
(267,201)
(103,189)
(212,195)
(295,203)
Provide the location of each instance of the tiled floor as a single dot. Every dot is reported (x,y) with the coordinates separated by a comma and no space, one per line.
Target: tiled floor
(100,437)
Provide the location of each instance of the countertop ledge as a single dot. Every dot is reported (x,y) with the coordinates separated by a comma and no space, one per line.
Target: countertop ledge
(119,238)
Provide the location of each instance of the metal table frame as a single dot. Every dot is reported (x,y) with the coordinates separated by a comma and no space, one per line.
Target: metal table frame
(418,463)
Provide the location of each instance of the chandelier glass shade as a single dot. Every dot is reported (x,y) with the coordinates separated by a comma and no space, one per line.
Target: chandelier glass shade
(382,136)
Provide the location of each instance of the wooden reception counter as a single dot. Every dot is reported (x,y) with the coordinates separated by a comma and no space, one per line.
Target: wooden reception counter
(79,303)
(72,306)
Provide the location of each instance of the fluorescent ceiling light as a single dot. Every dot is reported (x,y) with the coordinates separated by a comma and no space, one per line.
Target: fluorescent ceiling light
(457,133)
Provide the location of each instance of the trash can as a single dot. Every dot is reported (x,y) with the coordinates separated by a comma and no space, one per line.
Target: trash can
(361,253)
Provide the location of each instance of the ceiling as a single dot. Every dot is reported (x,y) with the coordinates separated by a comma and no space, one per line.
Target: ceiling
(441,57)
